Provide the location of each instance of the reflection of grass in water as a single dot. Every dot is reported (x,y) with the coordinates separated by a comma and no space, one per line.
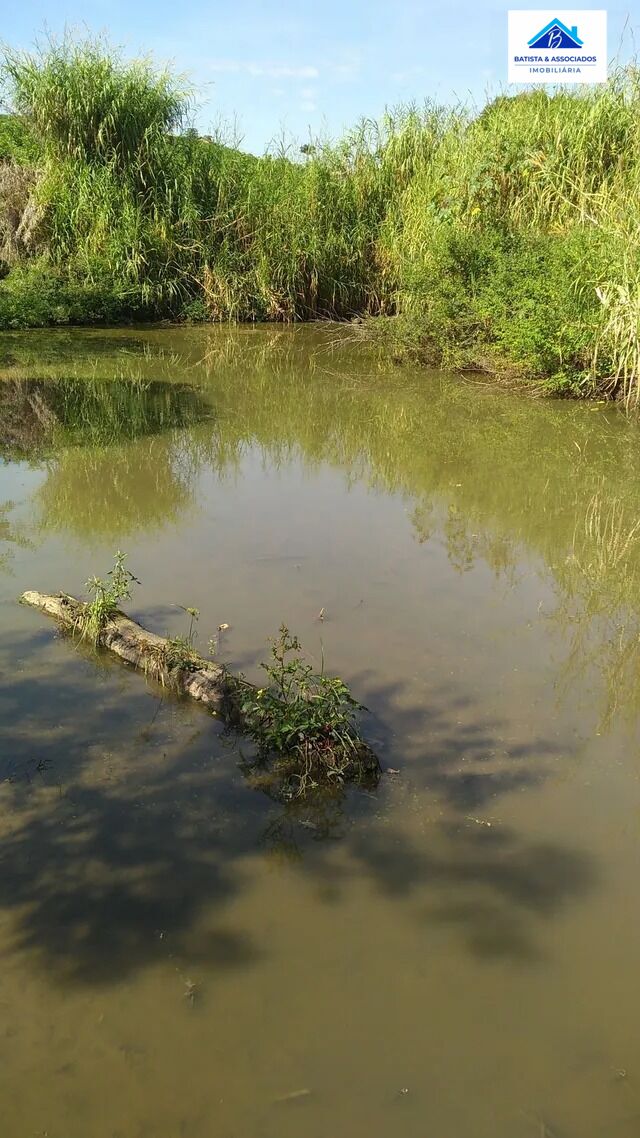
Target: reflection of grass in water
(488,474)
(491,475)
(598,589)
(39,416)
(609,538)
(9,536)
(116,491)
(113,492)
(525,470)
(91,412)
(98,485)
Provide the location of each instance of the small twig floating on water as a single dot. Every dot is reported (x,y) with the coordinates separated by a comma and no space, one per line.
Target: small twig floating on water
(294,1096)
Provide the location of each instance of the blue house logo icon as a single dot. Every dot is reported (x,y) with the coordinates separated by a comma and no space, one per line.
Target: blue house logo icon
(556,35)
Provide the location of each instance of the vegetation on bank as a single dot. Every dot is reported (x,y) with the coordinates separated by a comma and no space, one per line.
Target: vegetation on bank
(507,241)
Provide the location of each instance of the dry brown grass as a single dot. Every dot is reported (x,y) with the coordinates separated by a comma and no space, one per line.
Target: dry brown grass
(20,214)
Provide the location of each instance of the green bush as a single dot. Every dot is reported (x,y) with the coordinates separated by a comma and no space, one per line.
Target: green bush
(18,142)
(305,722)
(35,295)
(505,302)
(509,240)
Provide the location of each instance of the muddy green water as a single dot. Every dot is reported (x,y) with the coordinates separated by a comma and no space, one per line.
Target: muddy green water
(455,955)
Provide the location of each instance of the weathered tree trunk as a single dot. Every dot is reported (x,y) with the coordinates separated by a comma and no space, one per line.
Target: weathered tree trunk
(309,761)
(201,679)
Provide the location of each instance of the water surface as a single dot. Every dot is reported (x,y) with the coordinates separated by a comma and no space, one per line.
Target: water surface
(452,955)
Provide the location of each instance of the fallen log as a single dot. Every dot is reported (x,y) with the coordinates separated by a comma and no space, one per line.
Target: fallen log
(201,679)
(324,749)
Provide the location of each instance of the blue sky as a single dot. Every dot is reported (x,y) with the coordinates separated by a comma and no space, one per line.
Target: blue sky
(291,68)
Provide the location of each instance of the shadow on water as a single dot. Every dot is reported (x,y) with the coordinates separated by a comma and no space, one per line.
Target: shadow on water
(95,875)
(108,869)
(133,845)
(116,854)
(466,871)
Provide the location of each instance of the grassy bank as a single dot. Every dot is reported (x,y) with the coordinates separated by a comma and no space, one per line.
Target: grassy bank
(507,241)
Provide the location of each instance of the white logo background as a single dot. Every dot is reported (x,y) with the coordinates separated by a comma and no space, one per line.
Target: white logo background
(587,64)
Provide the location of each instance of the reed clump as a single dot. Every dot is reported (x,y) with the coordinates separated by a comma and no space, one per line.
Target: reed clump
(506,240)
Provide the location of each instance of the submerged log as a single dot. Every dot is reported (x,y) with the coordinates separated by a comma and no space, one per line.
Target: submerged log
(319,756)
(201,679)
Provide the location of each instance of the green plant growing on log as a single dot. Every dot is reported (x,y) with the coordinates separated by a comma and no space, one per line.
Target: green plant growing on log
(307,721)
(180,654)
(107,597)
(303,722)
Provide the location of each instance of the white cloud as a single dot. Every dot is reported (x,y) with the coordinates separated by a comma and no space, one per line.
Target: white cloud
(268,70)
(347,67)
(408,76)
(307,105)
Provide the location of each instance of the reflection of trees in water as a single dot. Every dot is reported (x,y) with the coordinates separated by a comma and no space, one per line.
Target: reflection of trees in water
(114,491)
(488,475)
(114,450)
(465,547)
(25,421)
(118,491)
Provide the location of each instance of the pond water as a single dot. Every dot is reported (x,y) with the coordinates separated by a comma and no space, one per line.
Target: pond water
(454,954)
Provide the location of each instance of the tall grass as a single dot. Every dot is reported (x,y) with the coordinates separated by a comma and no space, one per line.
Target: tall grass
(86,104)
(507,240)
(539,240)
